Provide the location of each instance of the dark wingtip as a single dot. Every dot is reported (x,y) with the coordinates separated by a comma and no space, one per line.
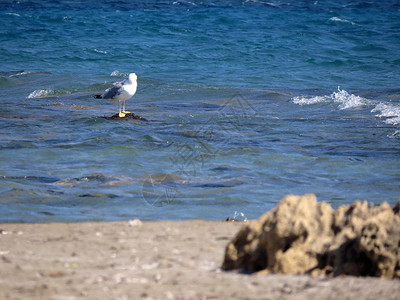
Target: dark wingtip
(97,96)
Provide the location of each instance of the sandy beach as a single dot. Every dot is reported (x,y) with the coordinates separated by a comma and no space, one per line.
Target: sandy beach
(150,260)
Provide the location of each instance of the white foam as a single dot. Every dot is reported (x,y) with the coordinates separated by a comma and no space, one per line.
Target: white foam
(183,2)
(41,94)
(336,19)
(394,135)
(342,97)
(100,51)
(21,73)
(304,100)
(263,2)
(347,100)
(389,111)
(13,14)
(118,74)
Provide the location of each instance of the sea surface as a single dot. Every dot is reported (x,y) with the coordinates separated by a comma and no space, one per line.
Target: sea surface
(245,101)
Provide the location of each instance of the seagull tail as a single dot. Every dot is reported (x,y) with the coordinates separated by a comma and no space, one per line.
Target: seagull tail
(98,96)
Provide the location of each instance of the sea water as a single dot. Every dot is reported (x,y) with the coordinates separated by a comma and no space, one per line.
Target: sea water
(246,102)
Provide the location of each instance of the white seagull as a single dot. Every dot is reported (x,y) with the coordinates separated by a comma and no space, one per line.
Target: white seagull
(121,91)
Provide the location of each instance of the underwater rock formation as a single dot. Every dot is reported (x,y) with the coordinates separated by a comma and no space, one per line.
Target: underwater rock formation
(302,236)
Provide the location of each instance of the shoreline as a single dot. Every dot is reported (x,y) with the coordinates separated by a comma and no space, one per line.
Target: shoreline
(150,260)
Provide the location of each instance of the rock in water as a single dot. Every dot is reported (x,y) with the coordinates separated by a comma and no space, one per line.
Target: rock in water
(303,236)
(127,116)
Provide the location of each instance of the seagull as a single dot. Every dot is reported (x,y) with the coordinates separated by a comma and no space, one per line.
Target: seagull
(121,91)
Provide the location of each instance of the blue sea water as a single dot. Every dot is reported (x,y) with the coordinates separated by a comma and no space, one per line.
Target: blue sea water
(246,101)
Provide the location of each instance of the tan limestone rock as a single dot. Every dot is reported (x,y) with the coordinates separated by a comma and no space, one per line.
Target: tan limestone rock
(302,236)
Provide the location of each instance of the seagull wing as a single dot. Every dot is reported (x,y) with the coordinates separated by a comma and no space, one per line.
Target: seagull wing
(113,91)
(119,83)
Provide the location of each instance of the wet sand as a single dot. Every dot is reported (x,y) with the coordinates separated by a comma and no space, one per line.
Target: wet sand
(150,260)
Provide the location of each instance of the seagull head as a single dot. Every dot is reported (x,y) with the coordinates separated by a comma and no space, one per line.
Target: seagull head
(132,77)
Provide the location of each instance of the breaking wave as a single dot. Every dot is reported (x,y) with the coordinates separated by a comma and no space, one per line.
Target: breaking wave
(389,112)
(42,94)
(117,73)
(341,97)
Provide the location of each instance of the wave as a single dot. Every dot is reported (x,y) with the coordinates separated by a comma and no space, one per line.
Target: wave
(95,50)
(389,112)
(16,78)
(395,135)
(11,74)
(266,3)
(336,19)
(47,93)
(342,97)
(22,73)
(41,93)
(117,73)
(13,14)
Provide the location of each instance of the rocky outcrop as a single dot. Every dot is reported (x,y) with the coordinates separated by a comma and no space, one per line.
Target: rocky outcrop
(303,236)
(126,117)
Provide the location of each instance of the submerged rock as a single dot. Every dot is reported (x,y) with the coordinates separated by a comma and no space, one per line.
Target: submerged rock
(303,236)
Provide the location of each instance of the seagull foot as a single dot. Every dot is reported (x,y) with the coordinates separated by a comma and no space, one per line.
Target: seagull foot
(126,112)
(121,115)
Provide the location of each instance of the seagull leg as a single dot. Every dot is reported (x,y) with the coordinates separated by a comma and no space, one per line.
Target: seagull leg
(121,114)
(123,108)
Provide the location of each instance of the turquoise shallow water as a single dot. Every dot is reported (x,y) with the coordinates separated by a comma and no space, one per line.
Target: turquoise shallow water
(246,101)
